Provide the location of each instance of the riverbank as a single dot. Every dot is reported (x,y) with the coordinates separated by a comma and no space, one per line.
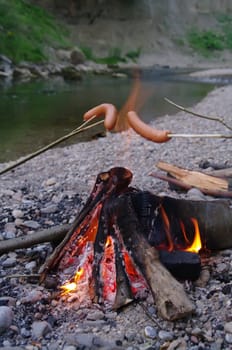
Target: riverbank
(50,190)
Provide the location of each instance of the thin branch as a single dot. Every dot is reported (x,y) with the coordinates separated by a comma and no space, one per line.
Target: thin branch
(76,131)
(219,120)
(56,233)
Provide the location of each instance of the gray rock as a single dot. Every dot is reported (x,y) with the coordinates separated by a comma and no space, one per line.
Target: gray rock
(178,344)
(228,338)
(30,266)
(195,194)
(77,57)
(71,73)
(228,327)
(165,335)
(9,262)
(32,297)
(95,315)
(17,213)
(49,209)
(150,332)
(22,73)
(10,228)
(6,318)
(83,339)
(31,224)
(40,329)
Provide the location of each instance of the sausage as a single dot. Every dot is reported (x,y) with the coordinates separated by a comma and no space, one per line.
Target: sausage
(105,109)
(145,130)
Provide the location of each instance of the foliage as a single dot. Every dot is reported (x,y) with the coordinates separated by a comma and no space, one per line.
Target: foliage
(205,41)
(208,41)
(115,56)
(26,30)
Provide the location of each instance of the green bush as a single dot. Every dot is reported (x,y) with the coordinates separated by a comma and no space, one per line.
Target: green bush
(26,30)
(205,41)
(114,56)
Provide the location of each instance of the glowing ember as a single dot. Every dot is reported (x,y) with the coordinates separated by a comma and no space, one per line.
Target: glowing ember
(138,284)
(196,244)
(79,285)
(108,272)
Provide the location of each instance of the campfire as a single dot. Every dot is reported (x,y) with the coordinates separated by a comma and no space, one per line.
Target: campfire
(124,244)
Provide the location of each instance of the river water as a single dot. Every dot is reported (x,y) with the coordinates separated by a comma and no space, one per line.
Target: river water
(33,114)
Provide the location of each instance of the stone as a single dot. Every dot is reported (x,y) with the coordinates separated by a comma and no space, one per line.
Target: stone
(22,73)
(40,329)
(228,338)
(70,73)
(178,344)
(150,332)
(77,57)
(32,297)
(10,228)
(50,182)
(17,213)
(31,224)
(165,335)
(9,262)
(228,327)
(6,318)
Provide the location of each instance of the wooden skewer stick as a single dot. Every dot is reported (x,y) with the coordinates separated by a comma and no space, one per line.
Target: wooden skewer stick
(201,136)
(76,131)
(219,120)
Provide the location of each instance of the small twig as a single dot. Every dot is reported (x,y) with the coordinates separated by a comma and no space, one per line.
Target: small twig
(219,120)
(76,131)
(22,276)
(149,315)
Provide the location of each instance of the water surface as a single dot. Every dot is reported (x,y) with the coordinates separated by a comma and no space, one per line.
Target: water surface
(35,113)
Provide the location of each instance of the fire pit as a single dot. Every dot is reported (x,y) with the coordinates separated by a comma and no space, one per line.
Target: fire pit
(122,245)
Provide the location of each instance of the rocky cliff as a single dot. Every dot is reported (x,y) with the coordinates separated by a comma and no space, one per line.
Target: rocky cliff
(154,26)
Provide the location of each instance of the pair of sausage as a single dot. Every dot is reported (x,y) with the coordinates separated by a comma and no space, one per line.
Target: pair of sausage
(110,112)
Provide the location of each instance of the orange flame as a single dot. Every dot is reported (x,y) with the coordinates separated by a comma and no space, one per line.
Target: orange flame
(167,229)
(69,287)
(196,245)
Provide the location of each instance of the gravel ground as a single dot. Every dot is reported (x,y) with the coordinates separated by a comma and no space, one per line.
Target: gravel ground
(51,189)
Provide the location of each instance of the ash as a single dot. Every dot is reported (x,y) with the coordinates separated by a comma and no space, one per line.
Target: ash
(52,188)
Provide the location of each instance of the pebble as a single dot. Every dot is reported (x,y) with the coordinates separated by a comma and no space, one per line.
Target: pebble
(228,327)
(32,297)
(178,344)
(150,332)
(40,329)
(50,182)
(31,224)
(165,335)
(17,213)
(9,262)
(6,318)
(228,338)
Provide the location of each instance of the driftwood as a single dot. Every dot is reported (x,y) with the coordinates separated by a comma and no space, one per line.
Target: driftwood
(181,185)
(195,178)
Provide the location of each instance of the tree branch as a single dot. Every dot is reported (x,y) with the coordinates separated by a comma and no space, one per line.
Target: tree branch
(52,234)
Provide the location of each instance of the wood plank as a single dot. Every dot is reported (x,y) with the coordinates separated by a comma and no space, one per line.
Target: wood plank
(195,178)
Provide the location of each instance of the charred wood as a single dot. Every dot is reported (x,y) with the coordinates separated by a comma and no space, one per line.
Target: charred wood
(182,265)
